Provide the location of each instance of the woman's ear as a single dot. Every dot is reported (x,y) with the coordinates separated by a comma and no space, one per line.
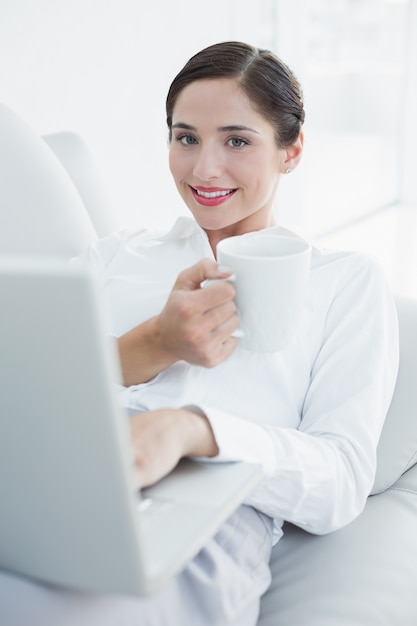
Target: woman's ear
(293,154)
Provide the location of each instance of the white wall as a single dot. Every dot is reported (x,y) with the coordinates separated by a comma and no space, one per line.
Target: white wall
(102,68)
(408,164)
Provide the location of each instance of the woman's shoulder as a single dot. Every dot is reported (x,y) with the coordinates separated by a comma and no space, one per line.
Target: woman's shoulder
(327,262)
(342,259)
(101,252)
(348,271)
(124,242)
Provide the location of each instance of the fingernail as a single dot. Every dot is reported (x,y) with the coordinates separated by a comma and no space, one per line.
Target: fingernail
(224,269)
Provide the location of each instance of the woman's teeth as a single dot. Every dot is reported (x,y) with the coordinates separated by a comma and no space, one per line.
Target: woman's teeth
(213,194)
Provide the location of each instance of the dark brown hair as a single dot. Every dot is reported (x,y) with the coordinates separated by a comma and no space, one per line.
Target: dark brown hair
(264,78)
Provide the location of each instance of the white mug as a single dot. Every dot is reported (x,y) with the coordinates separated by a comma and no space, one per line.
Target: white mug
(270,277)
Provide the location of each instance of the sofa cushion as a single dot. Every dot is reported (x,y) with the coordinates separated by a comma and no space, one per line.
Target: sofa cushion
(363,574)
(41,212)
(397,449)
(75,156)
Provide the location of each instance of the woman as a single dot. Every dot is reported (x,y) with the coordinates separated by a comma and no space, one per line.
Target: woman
(310,414)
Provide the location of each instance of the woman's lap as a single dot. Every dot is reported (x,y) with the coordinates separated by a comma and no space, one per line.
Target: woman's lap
(220,586)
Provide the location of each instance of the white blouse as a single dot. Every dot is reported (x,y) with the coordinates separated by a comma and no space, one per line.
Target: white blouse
(311,414)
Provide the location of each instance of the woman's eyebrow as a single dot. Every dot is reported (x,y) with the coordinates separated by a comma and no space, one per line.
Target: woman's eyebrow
(237,128)
(184,126)
(221,129)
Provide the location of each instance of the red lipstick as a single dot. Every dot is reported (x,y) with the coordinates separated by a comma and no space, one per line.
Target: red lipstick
(211,196)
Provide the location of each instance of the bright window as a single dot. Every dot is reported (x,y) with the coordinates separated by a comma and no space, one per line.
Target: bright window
(351,58)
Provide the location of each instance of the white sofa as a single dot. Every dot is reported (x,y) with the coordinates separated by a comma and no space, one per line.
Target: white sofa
(362,575)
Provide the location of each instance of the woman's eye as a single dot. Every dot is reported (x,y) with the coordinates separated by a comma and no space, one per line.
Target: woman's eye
(236,142)
(187,140)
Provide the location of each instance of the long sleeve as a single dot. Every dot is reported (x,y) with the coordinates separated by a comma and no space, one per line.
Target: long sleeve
(319,475)
(311,414)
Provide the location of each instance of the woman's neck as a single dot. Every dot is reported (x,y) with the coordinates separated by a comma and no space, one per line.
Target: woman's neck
(214,236)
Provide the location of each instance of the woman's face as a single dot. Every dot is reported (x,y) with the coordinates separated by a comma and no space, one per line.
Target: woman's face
(224,158)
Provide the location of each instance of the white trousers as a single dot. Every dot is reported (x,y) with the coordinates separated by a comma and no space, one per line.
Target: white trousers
(221,586)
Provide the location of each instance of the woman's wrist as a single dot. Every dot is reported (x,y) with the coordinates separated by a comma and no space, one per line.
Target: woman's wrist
(199,437)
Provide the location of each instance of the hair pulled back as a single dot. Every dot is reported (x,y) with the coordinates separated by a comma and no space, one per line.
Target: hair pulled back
(268,82)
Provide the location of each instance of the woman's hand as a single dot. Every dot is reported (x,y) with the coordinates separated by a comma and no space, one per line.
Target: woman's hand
(195,325)
(161,438)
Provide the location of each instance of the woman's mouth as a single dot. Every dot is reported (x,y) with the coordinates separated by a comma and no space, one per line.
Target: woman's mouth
(211,196)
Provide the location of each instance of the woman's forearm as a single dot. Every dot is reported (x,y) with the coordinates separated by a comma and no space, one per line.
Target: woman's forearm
(142,354)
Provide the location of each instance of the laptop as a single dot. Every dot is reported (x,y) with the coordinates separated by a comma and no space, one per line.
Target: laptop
(70,512)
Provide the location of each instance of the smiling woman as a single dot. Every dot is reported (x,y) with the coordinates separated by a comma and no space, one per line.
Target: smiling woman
(235,118)
(216,166)
(234,128)
(309,414)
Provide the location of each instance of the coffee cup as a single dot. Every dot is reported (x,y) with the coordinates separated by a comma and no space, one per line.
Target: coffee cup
(270,278)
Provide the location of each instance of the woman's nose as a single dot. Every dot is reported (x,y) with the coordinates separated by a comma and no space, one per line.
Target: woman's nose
(208,164)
